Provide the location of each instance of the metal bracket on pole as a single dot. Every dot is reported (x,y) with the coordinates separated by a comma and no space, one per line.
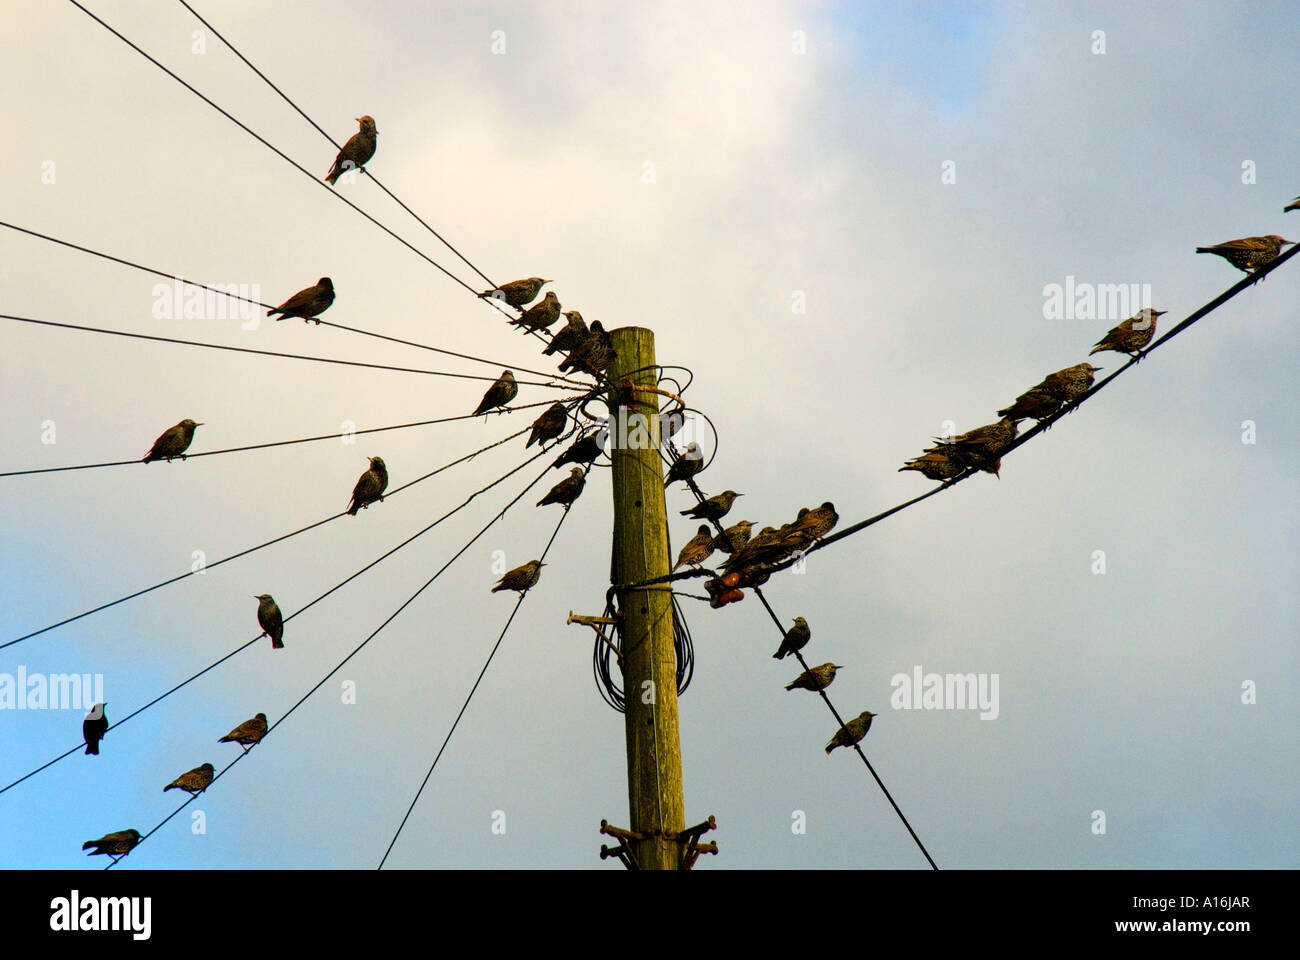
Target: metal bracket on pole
(595,624)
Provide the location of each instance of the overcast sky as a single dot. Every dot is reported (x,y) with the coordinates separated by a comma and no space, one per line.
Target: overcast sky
(699,169)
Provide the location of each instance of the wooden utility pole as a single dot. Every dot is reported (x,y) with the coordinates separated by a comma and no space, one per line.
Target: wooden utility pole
(654,760)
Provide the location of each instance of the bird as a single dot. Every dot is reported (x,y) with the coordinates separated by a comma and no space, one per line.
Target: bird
(1036,403)
(688,463)
(308,303)
(93,728)
(194,782)
(574,332)
(370,486)
(982,446)
(113,844)
(815,678)
(521,578)
(567,490)
(697,549)
(517,293)
(769,546)
(1249,253)
(714,508)
(818,522)
(1293,205)
(1131,335)
(359,148)
(1071,383)
(796,638)
(934,465)
(499,394)
(247,734)
(549,425)
(852,732)
(584,450)
(592,354)
(270,620)
(541,315)
(734,537)
(173,442)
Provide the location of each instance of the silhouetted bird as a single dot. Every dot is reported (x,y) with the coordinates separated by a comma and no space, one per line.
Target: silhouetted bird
(688,464)
(93,728)
(307,303)
(714,508)
(567,490)
(517,293)
(584,449)
(796,638)
(1249,253)
(541,315)
(113,844)
(359,148)
(499,394)
(734,537)
(549,425)
(1131,335)
(521,578)
(247,734)
(173,442)
(194,782)
(269,619)
(370,487)
(815,678)
(573,333)
(697,549)
(852,732)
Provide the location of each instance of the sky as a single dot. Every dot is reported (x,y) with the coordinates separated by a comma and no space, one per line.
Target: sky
(842,218)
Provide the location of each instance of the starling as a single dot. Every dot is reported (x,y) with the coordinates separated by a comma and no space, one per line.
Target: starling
(815,678)
(94,727)
(1131,335)
(269,619)
(852,732)
(593,354)
(574,332)
(370,486)
(540,316)
(359,148)
(307,303)
(500,393)
(194,782)
(517,293)
(1036,403)
(567,490)
(688,464)
(818,521)
(173,442)
(1293,205)
(983,445)
(113,844)
(767,547)
(934,465)
(1249,253)
(714,508)
(247,734)
(584,449)
(521,578)
(1071,383)
(796,638)
(549,425)
(734,537)
(697,549)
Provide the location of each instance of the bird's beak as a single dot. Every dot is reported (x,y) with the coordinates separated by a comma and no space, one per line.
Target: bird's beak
(358,119)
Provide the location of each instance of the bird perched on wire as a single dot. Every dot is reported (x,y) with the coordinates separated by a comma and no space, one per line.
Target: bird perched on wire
(517,293)
(688,463)
(697,549)
(583,450)
(540,315)
(269,619)
(1071,383)
(934,465)
(370,486)
(549,425)
(308,303)
(817,522)
(982,446)
(194,782)
(714,508)
(567,490)
(573,333)
(93,728)
(499,394)
(852,732)
(796,638)
(247,734)
(734,537)
(1249,253)
(1037,403)
(173,442)
(1131,335)
(113,844)
(359,148)
(593,354)
(521,578)
(815,678)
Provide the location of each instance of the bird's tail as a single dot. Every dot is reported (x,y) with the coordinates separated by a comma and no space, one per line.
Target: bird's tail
(1098,349)
(331,177)
(789,686)
(277,644)
(170,786)
(1204,250)
(829,747)
(499,586)
(92,748)
(88,844)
